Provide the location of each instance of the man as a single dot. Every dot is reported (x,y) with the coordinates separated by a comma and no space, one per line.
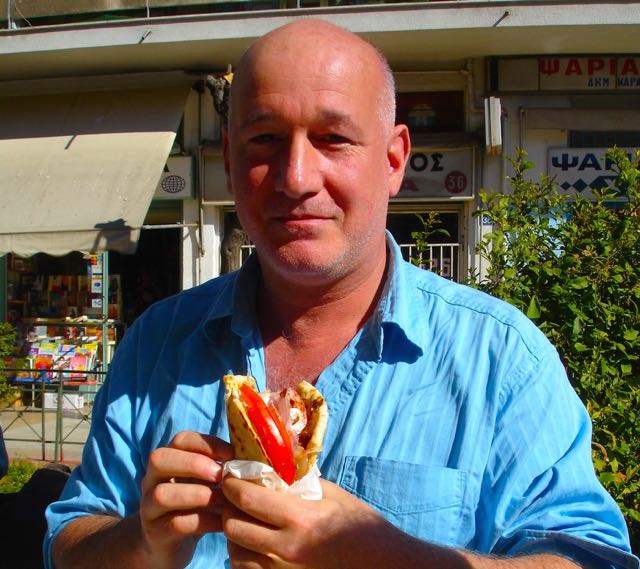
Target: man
(454,436)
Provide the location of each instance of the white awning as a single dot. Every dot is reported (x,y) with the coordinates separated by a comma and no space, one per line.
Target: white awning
(78,170)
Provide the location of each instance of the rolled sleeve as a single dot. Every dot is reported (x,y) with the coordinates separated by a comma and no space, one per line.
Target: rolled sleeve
(541,488)
(108,480)
(586,553)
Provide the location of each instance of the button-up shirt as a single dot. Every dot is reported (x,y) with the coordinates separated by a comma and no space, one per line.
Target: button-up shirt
(449,412)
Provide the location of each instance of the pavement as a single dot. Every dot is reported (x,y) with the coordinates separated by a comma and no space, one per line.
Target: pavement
(39,434)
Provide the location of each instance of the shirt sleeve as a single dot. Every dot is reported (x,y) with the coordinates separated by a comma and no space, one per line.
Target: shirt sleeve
(108,480)
(540,488)
(4,457)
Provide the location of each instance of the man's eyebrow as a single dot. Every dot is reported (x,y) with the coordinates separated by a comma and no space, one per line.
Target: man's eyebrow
(257,117)
(325,117)
(329,116)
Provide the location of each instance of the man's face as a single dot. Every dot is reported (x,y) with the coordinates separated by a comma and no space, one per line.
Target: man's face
(307,157)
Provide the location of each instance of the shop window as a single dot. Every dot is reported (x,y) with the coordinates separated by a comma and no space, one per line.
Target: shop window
(436,112)
(44,286)
(604,139)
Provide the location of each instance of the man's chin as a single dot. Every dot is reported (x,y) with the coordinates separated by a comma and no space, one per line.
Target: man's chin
(305,259)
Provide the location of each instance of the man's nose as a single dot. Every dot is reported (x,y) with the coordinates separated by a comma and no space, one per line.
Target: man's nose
(300,169)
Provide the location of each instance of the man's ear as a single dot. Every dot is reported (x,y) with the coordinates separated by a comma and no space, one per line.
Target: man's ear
(398,151)
(225,155)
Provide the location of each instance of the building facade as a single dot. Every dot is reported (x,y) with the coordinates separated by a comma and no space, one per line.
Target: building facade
(110,139)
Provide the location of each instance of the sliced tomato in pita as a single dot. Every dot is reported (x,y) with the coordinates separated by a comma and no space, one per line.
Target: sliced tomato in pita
(271,431)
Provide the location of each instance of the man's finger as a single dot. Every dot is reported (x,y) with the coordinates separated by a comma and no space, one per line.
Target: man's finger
(167,497)
(248,532)
(245,558)
(170,464)
(208,445)
(184,524)
(263,504)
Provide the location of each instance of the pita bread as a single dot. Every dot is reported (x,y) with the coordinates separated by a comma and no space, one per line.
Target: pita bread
(244,439)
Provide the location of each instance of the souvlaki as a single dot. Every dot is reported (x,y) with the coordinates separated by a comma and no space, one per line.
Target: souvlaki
(283,429)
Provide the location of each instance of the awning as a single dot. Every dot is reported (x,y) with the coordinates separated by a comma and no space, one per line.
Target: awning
(78,170)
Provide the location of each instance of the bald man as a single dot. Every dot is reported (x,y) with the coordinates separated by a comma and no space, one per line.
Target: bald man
(454,437)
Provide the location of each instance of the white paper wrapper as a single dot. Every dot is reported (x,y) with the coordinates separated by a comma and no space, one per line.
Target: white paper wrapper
(308,487)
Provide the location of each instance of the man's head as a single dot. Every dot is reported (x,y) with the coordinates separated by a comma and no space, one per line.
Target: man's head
(311,152)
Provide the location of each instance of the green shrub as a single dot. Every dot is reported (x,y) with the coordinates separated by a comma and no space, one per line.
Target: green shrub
(7,341)
(573,266)
(18,475)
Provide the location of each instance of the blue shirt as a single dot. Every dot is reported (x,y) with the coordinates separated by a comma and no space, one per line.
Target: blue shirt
(450,413)
(4,457)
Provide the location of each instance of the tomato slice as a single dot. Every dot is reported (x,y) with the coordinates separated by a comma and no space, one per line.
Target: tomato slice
(271,431)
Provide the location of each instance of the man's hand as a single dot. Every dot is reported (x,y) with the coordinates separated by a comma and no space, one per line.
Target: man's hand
(181,500)
(271,530)
(267,529)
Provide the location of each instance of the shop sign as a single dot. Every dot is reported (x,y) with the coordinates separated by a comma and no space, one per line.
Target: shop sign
(579,169)
(585,73)
(440,174)
(176,182)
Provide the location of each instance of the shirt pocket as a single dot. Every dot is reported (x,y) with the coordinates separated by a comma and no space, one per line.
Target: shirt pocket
(424,501)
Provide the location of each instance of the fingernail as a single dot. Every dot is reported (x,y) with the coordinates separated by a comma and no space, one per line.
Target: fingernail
(216,471)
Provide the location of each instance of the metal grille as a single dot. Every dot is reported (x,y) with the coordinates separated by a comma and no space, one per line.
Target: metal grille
(442,259)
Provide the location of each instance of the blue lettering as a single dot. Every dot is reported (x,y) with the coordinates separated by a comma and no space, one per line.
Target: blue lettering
(563,161)
(590,161)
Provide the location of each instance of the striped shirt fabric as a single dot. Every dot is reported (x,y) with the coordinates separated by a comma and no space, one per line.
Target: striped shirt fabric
(450,413)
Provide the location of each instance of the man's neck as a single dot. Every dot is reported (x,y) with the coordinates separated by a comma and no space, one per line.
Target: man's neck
(288,309)
(304,328)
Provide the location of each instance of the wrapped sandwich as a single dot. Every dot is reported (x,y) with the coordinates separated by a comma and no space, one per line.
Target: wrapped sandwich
(283,429)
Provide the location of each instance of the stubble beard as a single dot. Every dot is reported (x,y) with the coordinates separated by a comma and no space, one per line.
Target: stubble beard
(322,263)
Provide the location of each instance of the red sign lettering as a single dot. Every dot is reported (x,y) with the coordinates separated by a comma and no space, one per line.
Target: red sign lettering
(549,66)
(594,65)
(629,67)
(573,67)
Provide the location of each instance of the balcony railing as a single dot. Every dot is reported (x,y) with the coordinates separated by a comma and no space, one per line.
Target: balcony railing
(28,13)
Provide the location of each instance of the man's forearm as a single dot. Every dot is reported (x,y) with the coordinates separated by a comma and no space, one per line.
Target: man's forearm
(390,547)
(100,542)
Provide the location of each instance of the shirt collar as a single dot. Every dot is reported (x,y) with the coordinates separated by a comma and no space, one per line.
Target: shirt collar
(235,300)
(394,315)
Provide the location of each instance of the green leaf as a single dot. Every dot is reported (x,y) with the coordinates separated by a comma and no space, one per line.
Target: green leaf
(577,327)
(533,311)
(579,283)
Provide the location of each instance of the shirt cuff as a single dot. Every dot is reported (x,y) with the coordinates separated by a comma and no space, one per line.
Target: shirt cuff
(586,553)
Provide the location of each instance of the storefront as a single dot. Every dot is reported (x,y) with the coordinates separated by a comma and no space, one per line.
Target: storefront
(567,111)
(92,198)
(88,236)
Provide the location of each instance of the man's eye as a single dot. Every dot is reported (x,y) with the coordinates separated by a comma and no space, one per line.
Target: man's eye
(332,138)
(263,138)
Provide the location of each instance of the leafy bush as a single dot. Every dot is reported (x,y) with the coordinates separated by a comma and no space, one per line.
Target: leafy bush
(573,266)
(7,340)
(20,471)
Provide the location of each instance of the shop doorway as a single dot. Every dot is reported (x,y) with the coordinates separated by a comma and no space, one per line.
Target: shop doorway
(153,273)
(443,255)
